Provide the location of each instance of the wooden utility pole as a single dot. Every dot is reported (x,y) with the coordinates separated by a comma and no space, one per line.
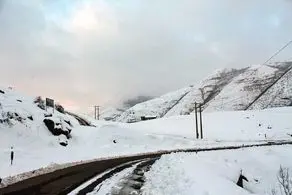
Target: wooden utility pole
(201,121)
(96,112)
(196,118)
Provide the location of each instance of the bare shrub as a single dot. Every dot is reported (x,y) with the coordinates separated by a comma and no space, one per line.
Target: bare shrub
(284,181)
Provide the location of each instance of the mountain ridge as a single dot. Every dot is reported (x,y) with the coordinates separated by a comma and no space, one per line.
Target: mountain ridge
(224,90)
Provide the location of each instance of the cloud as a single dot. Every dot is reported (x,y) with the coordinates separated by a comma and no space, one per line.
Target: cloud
(103,52)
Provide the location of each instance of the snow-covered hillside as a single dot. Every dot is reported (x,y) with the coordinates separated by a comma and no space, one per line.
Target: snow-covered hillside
(205,91)
(23,127)
(27,116)
(111,114)
(246,87)
(35,146)
(155,107)
(278,95)
(257,86)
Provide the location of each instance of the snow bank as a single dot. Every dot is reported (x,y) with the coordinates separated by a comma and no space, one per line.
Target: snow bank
(217,172)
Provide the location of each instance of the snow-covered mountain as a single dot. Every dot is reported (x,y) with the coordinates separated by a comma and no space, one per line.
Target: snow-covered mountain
(254,87)
(38,136)
(111,114)
(158,106)
(30,117)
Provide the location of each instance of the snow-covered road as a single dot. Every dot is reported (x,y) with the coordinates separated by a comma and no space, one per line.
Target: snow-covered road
(174,174)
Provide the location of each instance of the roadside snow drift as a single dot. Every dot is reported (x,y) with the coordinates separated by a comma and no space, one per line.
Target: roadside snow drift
(217,173)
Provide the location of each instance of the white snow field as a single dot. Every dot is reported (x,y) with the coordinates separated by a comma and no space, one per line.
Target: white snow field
(269,124)
(36,147)
(216,173)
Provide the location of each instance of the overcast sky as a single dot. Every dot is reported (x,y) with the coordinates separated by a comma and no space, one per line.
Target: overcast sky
(84,53)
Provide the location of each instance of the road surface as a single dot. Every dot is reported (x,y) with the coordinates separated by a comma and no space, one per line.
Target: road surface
(66,180)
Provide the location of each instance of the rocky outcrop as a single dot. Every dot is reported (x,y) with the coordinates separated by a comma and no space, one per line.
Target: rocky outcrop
(58,126)
(60,108)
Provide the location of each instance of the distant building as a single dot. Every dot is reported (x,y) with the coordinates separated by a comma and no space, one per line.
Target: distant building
(146,118)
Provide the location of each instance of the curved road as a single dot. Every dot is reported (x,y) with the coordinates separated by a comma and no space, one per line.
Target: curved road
(64,181)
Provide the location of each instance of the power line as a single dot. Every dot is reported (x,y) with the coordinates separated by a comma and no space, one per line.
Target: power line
(279,51)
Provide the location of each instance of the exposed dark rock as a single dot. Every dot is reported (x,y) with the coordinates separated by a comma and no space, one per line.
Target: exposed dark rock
(60,108)
(68,122)
(69,130)
(2,91)
(40,102)
(64,144)
(6,120)
(42,106)
(38,99)
(30,117)
(114,141)
(51,125)
(48,115)
(9,116)
(19,100)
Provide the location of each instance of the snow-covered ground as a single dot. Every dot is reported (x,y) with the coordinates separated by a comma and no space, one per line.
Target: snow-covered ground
(35,146)
(226,126)
(217,172)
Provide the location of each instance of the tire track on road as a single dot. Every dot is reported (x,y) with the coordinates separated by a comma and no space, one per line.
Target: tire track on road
(63,181)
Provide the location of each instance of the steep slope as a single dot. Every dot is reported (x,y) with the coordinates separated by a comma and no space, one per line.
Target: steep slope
(25,117)
(111,114)
(226,90)
(246,87)
(204,91)
(278,95)
(155,107)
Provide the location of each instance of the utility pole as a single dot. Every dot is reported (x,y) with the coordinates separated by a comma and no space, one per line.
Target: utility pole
(201,121)
(198,108)
(196,118)
(96,112)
